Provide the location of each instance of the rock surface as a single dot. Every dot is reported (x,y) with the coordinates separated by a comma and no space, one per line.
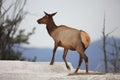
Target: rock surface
(23,70)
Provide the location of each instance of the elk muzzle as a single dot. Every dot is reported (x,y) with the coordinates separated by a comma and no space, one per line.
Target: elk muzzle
(39,22)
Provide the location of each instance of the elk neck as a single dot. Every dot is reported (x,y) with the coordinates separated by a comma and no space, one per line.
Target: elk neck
(51,26)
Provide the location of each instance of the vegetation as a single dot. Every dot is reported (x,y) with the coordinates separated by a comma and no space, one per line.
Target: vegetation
(10,36)
(114,55)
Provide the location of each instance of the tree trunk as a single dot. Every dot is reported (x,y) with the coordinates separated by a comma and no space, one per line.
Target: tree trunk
(104,46)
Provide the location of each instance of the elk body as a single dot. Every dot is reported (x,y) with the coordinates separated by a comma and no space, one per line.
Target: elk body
(68,38)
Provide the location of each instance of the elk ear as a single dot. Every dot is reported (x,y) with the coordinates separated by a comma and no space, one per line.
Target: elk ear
(45,13)
(54,13)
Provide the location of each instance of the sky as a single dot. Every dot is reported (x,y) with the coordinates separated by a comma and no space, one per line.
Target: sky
(86,15)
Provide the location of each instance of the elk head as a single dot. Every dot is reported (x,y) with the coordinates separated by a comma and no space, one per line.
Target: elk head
(46,19)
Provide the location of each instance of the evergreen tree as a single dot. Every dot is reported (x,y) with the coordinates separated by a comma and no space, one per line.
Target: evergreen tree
(10,36)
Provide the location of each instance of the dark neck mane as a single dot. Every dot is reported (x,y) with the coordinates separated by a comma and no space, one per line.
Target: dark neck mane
(51,26)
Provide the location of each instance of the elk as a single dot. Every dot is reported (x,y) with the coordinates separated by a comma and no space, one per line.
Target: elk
(68,38)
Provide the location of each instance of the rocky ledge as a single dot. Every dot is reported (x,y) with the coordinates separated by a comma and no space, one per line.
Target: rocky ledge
(23,70)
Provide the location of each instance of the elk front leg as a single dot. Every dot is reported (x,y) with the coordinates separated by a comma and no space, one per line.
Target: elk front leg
(64,58)
(54,50)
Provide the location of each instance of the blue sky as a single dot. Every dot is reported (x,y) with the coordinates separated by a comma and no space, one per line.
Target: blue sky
(80,14)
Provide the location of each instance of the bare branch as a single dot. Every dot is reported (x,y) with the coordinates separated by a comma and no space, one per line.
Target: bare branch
(6,11)
(112,31)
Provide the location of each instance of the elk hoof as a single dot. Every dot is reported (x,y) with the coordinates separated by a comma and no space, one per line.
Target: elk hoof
(51,63)
(87,72)
(68,68)
(75,72)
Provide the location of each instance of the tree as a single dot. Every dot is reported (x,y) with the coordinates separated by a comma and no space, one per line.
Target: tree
(114,55)
(10,36)
(104,45)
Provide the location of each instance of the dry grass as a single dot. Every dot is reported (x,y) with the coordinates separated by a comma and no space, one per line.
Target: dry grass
(83,73)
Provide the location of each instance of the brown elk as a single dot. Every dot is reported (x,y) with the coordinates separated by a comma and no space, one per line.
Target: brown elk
(68,38)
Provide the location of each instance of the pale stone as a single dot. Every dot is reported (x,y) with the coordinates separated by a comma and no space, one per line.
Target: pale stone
(23,70)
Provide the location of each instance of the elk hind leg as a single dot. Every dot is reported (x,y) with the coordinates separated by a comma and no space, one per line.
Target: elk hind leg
(86,63)
(79,64)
